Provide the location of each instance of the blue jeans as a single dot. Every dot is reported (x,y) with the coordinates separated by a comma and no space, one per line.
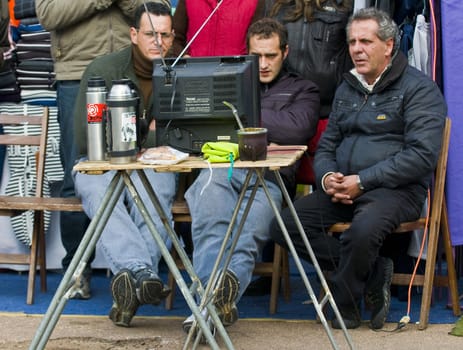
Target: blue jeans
(126,241)
(73,224)
(211,213)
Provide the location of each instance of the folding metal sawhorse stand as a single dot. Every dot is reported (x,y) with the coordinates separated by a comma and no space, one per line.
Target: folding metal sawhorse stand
(328,298)
(87,246)
(285,156)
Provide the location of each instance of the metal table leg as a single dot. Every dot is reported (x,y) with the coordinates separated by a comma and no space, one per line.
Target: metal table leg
(77,265)
(328,296)
(170,261)
(215,277)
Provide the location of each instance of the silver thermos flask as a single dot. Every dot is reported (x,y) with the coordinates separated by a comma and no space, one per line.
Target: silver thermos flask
(96,116)
(122,122)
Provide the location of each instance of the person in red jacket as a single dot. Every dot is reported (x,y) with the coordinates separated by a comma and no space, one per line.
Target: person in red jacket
(224,33)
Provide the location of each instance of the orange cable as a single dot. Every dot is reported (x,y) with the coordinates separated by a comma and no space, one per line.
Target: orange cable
(425,233)
(434,41)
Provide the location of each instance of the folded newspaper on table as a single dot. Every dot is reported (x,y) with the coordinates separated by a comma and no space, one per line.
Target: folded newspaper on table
(162,155)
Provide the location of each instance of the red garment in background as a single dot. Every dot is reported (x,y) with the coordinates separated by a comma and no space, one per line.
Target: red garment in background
(225,33)
(13,21)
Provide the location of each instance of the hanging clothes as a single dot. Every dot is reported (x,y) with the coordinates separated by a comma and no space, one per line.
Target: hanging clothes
(406,40)
(419,56)
(360,4)
(385,5)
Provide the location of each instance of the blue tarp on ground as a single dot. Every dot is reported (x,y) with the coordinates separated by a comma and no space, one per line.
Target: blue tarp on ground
(13,299)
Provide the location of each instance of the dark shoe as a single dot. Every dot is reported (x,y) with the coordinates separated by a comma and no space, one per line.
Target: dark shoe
(260,286)
(125,301)
(81,287)
(224,303)
(350,316)
(225,298)
(149,288)
(378,292)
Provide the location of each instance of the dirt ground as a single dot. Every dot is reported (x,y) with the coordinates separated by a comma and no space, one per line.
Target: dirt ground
(150,333)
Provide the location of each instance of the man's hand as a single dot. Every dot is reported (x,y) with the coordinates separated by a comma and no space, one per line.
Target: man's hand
(342,189)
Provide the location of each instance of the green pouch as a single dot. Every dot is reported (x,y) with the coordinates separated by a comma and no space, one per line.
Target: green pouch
(220,152)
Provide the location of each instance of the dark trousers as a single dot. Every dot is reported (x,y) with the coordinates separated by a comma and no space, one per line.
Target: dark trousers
(73,224)
(352,255)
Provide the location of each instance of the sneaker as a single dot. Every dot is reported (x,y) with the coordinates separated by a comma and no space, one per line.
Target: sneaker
(81,287)
(149,288)
(350,316)
(224,303)
(225,299)
(125,301)
(378,292)
(188,323)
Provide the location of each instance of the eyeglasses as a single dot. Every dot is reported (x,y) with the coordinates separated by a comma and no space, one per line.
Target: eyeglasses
(164,35)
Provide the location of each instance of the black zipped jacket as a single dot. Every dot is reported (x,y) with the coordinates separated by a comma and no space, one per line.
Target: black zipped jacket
(289,108)
(391,136)
(318,50)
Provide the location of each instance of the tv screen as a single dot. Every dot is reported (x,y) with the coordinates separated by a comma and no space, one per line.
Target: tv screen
(188,99)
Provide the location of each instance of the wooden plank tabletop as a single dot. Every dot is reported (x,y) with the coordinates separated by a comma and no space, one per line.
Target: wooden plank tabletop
(277,157)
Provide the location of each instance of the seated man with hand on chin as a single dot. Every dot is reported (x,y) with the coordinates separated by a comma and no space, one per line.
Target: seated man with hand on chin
(289,110)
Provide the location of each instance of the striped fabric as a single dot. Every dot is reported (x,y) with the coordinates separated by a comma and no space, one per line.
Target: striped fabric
(21,162)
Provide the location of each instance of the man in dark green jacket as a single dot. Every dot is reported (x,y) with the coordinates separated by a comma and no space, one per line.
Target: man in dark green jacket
(126,242)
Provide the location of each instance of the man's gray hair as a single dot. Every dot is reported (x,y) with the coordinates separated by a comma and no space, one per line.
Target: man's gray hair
(387,28)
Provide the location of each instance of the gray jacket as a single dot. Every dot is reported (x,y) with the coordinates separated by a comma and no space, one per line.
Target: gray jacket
(391,136)
(85,29)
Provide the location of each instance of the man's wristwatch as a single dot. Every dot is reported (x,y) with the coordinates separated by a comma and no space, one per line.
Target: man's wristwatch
(359,184)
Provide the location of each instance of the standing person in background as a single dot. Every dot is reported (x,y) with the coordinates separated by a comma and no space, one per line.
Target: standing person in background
(224,34)
(317,37)
(80,31)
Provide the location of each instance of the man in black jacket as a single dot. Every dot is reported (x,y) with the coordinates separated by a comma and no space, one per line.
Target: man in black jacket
(289,109)
(373,165)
